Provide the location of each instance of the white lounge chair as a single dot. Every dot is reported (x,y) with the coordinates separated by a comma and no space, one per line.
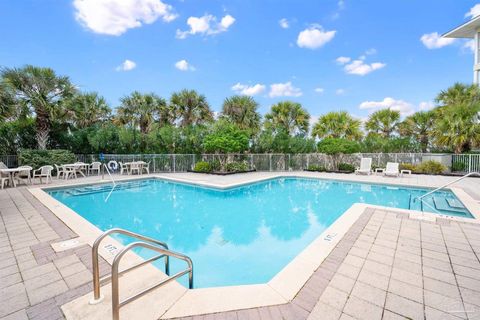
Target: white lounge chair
(392,169)
(94,167)
(365,166)
(43,172)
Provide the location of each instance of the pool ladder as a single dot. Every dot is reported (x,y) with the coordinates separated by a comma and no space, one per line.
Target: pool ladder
(144,242)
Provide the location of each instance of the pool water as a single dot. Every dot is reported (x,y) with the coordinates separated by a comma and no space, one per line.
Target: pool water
(243,235)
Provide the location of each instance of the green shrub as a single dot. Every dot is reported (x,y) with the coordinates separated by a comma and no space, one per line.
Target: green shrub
(431,167)
(459,167)
(38,158)
(314,167)
(408,166)
(236,166)
(346,167)
(203,166)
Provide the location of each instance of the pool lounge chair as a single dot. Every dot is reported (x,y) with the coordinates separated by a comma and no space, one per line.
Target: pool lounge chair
(365,166)
(392,169)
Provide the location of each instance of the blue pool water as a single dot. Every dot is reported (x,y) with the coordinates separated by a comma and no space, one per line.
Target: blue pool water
(243,235)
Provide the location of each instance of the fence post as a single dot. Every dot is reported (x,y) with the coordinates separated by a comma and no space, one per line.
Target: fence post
(194,161)
(469,163)
(289,159)
(174,164)
(270,161)
(251,161)
(154,160)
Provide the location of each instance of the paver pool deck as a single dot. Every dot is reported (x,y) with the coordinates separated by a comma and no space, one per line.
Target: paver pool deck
(389,265)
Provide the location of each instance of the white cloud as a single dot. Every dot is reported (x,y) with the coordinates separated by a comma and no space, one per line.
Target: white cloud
(341,4)
(183,65)
(343,60)
(284,90)
(314,37)
(474,11)
(371,51)
(405,108)
(248,90)
(340,92)
(113,17)
(469,45)
(434,40)
(426,105)
(284,23)
(126,65)
(359,67)
(206,25)
(319,90)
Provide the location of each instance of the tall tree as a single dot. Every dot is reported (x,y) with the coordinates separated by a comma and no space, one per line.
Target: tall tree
(40,91)
(289,117)
(419,127)
(384,122)
(338,125)
(458,94)
(87,109)
(242,110)
(191,108)
(458,127)
(141,110)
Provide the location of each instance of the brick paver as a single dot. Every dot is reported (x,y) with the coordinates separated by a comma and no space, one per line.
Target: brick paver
(388,266)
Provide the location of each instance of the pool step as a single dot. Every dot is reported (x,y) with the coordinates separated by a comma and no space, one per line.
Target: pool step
(444,205)
(105,188)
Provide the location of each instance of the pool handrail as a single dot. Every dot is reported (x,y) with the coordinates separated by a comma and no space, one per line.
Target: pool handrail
(116,303)
(95,265)
(448,184)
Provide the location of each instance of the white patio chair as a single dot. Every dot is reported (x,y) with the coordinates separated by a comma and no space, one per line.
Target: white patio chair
(3,166)
(137,167)
(43,172)
(4,178)
(94,167)
(60,171)
(365,166)
(123,167)
(392,169)
(24,175)
(146,166)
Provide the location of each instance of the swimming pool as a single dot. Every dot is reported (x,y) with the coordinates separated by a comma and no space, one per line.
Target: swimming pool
(242,235)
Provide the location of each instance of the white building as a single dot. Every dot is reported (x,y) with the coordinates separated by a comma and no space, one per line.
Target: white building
(469,30)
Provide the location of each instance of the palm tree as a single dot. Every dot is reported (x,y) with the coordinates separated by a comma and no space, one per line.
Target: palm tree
(459,93)
(289,117)
(337,125)
(190,107)
(242,110)
(141,110)
(458,127)
(419,127)
(39,90)
(384,122)
(87,109)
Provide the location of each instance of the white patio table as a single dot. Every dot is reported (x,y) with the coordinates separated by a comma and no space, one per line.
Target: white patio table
(74,168)
(11,172)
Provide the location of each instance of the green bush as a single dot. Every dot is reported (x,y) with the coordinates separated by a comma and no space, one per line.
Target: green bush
(408,166)
(203,166)
(459,167)
(431,167)
(346,167)
(236,166)
(38,158)
(314,167)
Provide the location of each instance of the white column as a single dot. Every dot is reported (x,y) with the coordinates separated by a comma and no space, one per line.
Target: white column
(476,64)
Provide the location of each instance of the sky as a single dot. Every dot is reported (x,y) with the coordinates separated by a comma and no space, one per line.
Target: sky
(329,55)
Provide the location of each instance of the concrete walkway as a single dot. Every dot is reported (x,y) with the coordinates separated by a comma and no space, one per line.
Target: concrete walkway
(388,266)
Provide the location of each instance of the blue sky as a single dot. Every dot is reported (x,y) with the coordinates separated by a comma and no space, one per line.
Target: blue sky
(326,54)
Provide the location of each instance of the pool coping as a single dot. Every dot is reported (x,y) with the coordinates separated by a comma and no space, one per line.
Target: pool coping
(281,289)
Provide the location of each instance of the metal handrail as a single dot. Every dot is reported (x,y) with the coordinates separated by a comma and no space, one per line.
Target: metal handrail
(96,273)
(110,175)
(447,184)
(116,303)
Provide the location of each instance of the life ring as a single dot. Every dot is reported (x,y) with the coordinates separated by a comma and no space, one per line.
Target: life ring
(112,165)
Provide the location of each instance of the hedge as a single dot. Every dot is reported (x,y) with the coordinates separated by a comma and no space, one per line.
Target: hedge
(38,158)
